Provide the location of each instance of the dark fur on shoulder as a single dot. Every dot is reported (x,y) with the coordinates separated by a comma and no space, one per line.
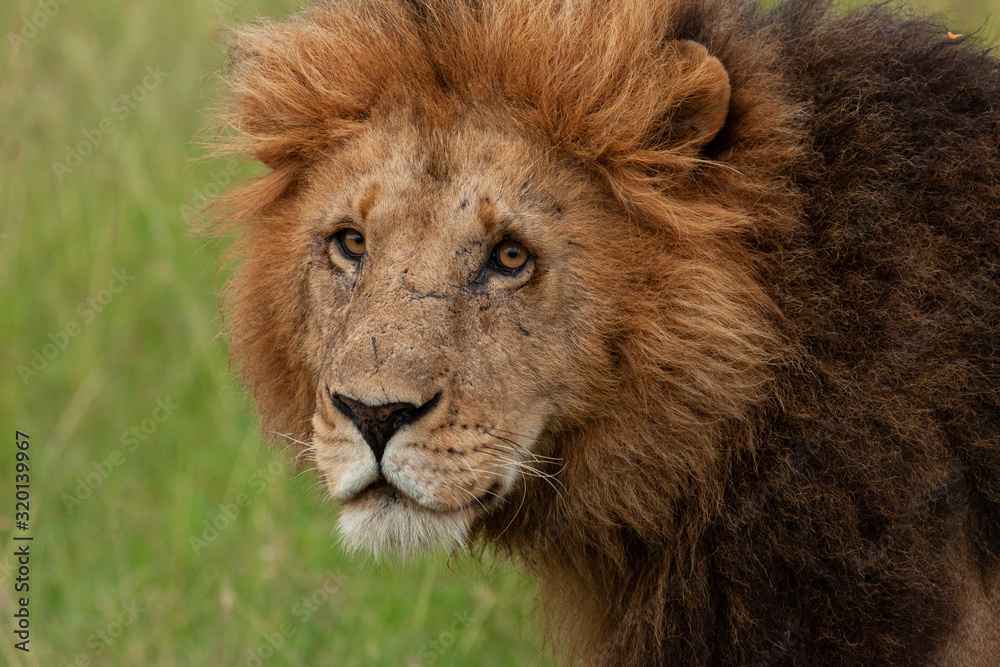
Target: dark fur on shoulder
(882,444)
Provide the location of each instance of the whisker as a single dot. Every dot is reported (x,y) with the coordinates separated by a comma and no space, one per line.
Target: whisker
(306,470)
(473,496)
(524,495)
(305,417)
(307,445)
(534,458)
(500,430)
(316,486)
(470,468)
(551,478)
(519,447)
(533,472)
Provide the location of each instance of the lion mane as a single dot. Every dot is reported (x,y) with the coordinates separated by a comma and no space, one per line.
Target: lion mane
(785,446)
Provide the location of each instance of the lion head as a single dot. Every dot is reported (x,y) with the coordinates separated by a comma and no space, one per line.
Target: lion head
(463,271)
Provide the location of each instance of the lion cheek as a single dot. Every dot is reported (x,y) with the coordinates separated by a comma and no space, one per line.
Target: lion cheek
(405,479)
(440,481)
(352,480)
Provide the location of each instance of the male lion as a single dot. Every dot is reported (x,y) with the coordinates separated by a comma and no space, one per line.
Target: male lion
(692,306)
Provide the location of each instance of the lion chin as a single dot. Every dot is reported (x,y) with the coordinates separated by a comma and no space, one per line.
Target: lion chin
(384,522)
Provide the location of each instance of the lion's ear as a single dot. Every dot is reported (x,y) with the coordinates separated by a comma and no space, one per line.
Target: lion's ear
(703,97)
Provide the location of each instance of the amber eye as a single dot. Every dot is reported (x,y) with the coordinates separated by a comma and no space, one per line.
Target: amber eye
(352,243)
(509,256)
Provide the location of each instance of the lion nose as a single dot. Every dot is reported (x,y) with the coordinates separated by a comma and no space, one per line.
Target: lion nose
(378,423)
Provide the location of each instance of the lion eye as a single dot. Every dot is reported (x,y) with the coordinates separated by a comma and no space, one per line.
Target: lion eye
(509,256)
(352,243)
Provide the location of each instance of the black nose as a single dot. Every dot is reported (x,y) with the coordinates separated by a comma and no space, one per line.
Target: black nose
(378,423)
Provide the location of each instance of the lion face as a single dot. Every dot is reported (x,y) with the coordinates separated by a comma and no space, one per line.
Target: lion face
(447,316)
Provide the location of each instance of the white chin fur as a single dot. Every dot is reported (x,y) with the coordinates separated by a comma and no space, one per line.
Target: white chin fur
(387,528)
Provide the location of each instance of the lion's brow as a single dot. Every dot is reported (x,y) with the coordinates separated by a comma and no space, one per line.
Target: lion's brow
(487,214)
(366,200)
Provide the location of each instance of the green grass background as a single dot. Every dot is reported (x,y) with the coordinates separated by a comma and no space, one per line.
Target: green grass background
(129,541)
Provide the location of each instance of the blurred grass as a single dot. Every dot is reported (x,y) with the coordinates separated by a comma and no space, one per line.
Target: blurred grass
(275,568)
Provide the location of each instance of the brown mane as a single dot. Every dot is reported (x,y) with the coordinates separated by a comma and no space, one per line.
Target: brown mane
(805,308)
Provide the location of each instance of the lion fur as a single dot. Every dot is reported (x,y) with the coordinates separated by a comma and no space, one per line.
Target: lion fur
(792,450)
